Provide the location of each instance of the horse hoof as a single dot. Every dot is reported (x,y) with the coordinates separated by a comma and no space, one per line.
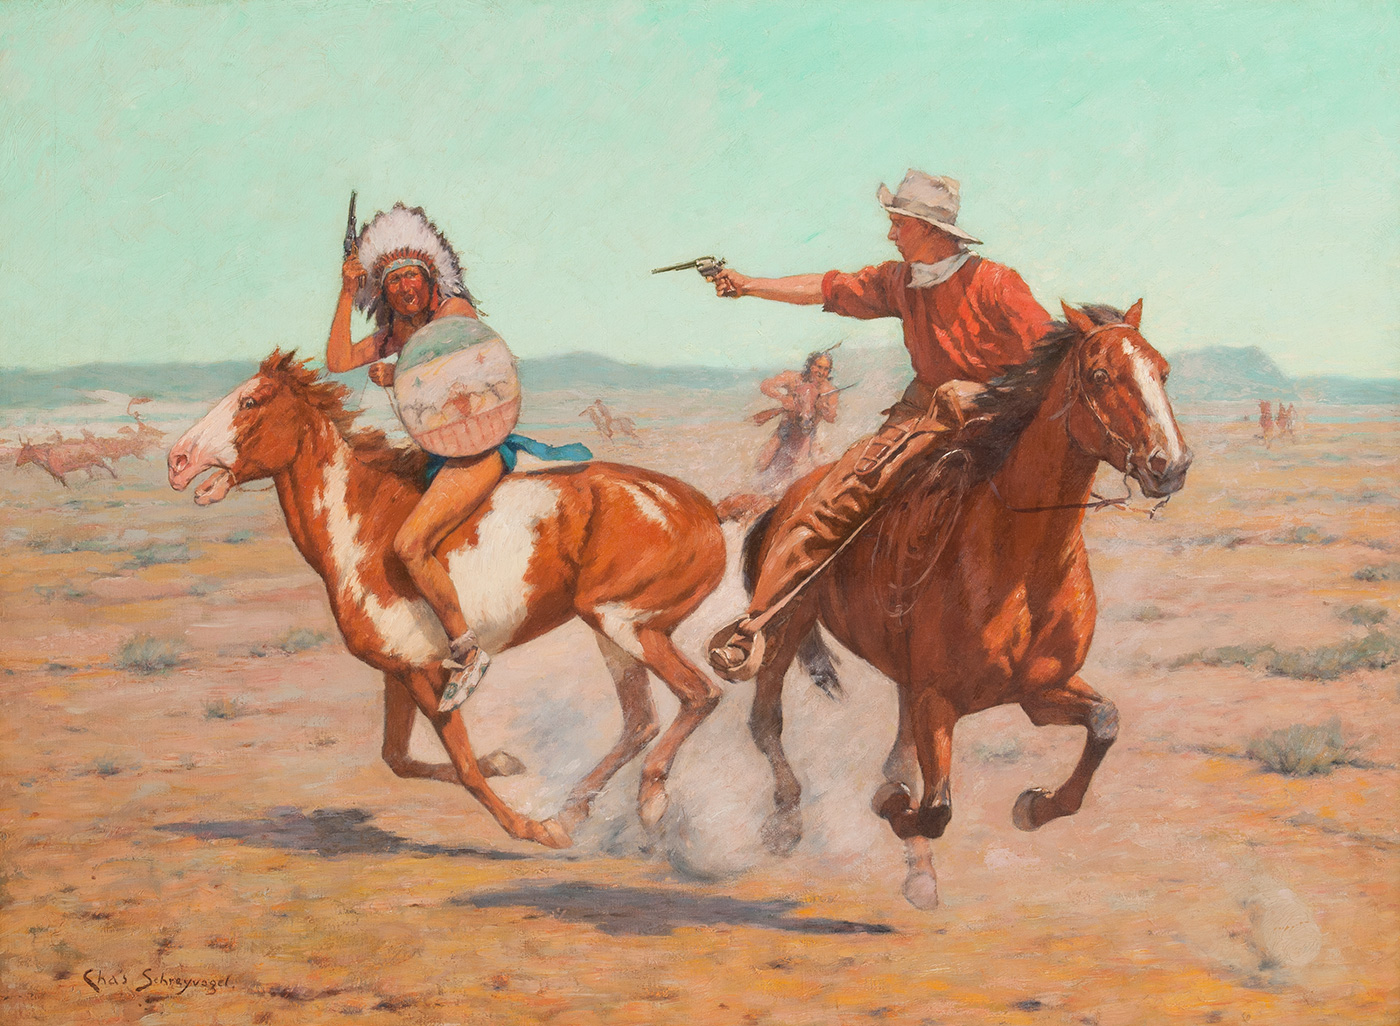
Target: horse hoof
(500,763)
(553,835)
(653,807)
(781,832)
(891,799)
(571,816)
(921,891)
(1023,814)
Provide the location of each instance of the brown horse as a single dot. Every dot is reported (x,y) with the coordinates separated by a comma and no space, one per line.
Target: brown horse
(628,551)
(62,456)
(1004,611)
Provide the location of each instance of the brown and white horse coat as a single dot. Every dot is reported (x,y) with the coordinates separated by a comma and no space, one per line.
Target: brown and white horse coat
(628,551)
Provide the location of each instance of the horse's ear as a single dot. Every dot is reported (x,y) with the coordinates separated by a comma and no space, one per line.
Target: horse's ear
(1078,318)
(1134,315)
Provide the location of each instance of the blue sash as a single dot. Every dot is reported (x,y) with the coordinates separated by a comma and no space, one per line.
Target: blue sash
(510,449)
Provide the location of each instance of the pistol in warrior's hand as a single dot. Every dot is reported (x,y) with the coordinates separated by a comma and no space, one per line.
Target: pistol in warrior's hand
(381,373)
(352,273)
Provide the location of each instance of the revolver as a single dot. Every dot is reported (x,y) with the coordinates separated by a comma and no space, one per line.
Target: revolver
(708,267)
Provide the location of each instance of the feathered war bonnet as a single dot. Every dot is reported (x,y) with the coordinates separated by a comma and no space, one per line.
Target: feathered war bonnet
(403,237)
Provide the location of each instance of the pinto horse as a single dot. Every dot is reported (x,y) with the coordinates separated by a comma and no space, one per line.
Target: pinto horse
(630,552)
(1003,611)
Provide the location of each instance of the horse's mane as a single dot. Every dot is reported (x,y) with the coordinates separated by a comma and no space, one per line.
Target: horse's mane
(1013,399)
(370,445)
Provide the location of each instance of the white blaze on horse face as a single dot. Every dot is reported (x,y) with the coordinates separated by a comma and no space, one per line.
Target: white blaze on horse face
(213,441)
(408,629)
(490,575)
(1154,397)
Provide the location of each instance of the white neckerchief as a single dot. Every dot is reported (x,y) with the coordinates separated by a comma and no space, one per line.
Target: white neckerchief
(926,276)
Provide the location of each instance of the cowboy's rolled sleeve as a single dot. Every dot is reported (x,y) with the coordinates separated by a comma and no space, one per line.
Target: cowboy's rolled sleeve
(867,294)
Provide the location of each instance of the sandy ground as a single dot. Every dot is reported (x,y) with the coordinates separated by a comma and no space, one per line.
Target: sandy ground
(229,821)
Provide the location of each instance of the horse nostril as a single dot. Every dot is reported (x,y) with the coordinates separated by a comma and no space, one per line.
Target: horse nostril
(1157,463)
(178,461)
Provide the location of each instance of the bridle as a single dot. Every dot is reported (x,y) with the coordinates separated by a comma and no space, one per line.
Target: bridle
(1076,392)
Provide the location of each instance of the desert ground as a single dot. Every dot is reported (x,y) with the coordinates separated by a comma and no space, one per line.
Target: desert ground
(198,828)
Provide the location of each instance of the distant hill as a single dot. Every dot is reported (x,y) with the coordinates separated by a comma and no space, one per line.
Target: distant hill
(1216,373)
(1226,372)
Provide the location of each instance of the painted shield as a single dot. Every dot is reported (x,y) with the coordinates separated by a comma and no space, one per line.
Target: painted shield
(456,387)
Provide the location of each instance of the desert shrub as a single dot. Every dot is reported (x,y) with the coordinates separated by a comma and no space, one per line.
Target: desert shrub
(299,639)
(1304,535)
(158,552)
(1148,614)
(239,537)
(65,591)
(223,709)
(147,655)
(1002,749)
(106,766)
(1303,751)
(1381,572)
(201,588)
(1364,616)
(1375,651)
(53,545)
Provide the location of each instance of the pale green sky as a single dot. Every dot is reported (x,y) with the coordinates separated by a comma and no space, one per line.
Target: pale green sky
(173,178)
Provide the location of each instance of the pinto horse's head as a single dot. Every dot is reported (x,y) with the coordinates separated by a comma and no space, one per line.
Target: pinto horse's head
(1117,407)
(251,433)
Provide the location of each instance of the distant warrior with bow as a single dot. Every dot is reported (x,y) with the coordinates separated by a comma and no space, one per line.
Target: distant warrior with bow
(806,398)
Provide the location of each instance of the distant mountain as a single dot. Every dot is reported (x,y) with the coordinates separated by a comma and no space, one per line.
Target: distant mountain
(1228,372)
(1216,373)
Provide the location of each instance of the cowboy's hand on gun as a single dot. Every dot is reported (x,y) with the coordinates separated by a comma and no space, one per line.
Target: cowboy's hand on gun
(352,274)
(731,284)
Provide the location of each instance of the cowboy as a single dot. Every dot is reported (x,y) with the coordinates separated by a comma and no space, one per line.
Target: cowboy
(805,397)
(404,273)
(965,319)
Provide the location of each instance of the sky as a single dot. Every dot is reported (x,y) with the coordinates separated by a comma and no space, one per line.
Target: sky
(174,176)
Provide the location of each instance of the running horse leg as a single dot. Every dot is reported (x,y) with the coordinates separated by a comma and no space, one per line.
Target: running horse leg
(426,686)
(925,735)
(783,828)
(1072,703)
(399,711)
(639,727)
(698,695)
(893,798)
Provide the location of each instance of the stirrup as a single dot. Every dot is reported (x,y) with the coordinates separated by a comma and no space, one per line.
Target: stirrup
(736,654)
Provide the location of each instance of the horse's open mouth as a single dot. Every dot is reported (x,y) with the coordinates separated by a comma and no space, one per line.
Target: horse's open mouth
(214,488)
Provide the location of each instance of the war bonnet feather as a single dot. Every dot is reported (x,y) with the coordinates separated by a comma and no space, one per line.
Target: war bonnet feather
(401,237)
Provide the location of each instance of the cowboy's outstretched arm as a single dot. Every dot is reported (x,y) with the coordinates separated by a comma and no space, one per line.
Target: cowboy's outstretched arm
(798,289)
(341,353)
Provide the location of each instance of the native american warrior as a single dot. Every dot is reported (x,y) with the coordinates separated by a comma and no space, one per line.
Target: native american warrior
(965,321)
(805,398)
(403,272)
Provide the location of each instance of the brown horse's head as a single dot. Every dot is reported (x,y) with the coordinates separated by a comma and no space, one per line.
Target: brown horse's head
(1117,407)
(253,432)
(29,453)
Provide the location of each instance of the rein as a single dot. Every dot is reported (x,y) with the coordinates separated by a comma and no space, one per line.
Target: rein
(1075,390)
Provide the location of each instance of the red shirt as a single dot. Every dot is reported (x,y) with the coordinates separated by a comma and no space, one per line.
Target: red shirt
(973,326)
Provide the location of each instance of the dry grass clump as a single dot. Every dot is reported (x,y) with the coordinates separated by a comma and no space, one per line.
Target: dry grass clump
(158,552)
(1364,616)
(1375,651)
(299,639)
(224,709)
(54,545)
(1303,751)
(149,656)
(1380,572)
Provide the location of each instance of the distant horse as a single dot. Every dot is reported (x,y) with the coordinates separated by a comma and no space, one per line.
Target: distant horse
(630,552)
(61,457)
(609,423)
(1001,609)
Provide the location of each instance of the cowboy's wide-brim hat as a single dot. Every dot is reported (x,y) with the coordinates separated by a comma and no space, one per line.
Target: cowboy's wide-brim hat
(929,198)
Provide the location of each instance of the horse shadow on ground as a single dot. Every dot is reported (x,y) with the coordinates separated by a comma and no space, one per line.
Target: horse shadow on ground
(325,832)
(658,911)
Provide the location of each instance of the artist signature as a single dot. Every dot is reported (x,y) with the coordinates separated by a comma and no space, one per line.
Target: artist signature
(176,982)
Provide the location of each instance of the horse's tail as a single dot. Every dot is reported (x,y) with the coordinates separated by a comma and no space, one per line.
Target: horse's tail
(812,651)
